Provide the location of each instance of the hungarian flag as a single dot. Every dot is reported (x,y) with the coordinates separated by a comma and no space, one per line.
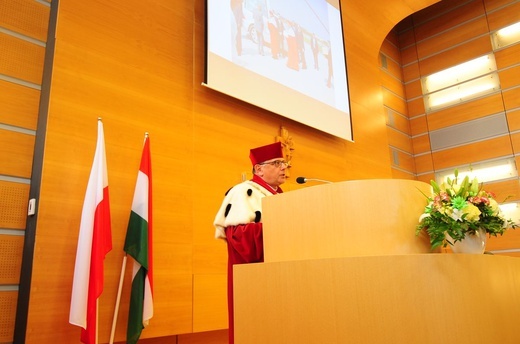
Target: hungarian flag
(94,242)
(138,244)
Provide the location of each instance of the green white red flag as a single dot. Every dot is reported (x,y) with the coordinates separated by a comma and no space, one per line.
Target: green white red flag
(94,242)
(138,244)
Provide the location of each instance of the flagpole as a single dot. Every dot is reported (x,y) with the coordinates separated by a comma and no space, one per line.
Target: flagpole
(97,318)
(118,300)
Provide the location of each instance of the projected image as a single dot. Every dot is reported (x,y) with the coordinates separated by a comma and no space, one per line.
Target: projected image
(286,56)
(287,41)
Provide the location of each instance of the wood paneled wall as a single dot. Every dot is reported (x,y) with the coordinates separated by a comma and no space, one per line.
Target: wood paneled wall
(23,34)
(139,66)
(441,36)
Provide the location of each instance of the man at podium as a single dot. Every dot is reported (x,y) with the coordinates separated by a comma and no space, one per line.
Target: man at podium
(238,220)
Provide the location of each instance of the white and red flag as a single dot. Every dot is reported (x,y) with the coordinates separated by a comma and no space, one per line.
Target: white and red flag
(94,242)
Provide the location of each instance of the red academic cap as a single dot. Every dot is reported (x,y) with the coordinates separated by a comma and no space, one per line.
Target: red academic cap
(264,153)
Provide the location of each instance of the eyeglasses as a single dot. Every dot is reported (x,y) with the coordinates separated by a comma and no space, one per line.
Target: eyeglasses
(276,163)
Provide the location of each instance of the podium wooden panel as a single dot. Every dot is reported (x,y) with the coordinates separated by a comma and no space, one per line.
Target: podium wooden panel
(423,298)
(352,218)
(343,265)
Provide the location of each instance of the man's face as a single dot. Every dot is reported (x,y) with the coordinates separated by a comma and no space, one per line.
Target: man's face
(272,171)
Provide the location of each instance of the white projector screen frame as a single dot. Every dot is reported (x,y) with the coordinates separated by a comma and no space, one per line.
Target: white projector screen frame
(287,77)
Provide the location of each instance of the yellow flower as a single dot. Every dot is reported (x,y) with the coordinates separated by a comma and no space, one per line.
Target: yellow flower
(473,213)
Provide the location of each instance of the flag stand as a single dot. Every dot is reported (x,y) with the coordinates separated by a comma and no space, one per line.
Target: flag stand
(118,300)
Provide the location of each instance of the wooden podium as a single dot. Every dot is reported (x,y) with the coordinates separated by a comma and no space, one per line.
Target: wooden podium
(353,218)
(341,267)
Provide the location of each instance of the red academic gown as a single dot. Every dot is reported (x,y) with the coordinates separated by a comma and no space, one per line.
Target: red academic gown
(244,241)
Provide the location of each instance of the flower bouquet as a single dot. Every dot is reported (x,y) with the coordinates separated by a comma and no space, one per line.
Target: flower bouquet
(455,210)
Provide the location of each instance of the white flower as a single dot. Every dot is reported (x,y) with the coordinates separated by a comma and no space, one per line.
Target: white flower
(423,216)
(457,214)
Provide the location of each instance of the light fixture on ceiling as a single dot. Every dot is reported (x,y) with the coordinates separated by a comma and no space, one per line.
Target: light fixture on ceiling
(485,172)
(460,83)
(506,36)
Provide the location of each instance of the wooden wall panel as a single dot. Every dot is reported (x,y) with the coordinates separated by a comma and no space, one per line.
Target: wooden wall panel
(7,315)
(398,121)
(16,151)
(513,120)
(19,105)
(456,16)
(509,242)
(459,54)
(399,140)
(411,71)
(390,49)
(507,57)
(507,15)
(509,77)
(426,177)
(394,102)
(492,5)
(209,307)
(408,56)
(418,125)
(406,38)
(451,38)
(421,144)
(399,174)
(436,10)
(471,153)
(424,163)
(13,204)
(515,142)
(511,98)
(505,190)
(11,247)
(393,84)
(404,162)
(34,21)
(478,108)
(413,89)
(21,59)
(415,107)
(394,69)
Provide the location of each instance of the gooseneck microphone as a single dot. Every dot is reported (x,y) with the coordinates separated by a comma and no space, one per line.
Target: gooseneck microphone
(303,180)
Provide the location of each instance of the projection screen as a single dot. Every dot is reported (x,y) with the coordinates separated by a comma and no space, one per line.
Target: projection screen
(286,56)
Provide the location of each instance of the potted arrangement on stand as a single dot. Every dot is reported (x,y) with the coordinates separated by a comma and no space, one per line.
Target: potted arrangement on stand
(462,215)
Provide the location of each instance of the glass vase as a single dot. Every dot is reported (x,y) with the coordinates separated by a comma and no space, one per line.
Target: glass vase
(472,243)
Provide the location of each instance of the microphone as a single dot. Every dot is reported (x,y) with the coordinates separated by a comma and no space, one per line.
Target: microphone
(303,180)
